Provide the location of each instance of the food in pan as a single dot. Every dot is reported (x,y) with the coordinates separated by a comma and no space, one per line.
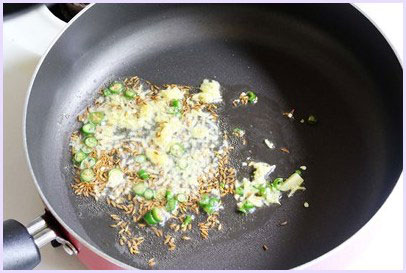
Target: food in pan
(159,155)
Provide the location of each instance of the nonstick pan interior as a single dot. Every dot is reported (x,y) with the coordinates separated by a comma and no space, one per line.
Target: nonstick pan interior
(326,60)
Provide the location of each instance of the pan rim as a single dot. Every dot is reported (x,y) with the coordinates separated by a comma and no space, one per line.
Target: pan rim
(82,241)
(107,257)
(366,225)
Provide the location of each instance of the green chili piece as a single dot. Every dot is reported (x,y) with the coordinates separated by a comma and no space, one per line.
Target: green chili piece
(91,142)
(175,107)
(169,195)
(252,97)
(204,200)
(149,219)
(275,184)
(171,204)
(106,92)
(149,194)
(211,205)
(116,87)
(143,174)
(87,175)
(175,103)
(139,189)
(130,93)
(261,190)
(86,149)
(157,214)
(79,157)
(246,207)
(88,163)
(239,191)
(187,221)
(89,129)
(96,117)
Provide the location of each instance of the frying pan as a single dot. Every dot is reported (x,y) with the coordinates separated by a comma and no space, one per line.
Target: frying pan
(322,59)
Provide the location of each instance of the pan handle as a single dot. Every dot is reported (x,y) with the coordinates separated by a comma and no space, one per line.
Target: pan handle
(21,244)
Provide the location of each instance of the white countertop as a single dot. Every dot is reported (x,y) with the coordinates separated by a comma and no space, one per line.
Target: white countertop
(379,245)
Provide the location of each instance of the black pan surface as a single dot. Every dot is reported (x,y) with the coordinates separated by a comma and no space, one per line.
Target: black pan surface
(322,59)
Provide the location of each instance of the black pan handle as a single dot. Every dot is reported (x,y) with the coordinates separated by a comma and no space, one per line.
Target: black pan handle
(21,244)
(11,10)
(19,248)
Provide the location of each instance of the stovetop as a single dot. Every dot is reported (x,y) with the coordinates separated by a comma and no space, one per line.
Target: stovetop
(376,246)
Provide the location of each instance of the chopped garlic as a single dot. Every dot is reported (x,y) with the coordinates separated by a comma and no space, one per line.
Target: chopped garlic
(269,144)
(292,183)
(174,93)
(200,132)
(210,92)
(115,179)
(261,171)
(149,127)
(157,158)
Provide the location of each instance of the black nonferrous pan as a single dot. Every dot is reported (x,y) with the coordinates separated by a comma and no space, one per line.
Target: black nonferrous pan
(322,59)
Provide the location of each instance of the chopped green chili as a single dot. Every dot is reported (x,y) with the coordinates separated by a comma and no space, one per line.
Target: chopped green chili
(79,157)
(106,92)
(149,219)
(239,191)
(246,207)
(154,216)
(171,204)
(130,93)
(89,129)
(88,163)
(157,214)
(91,142)
(169,195)
(187,221)
(275,184)
(176,103)
(87,175)
(139,189)
(116,87)
(204,200)
(96,117)
(149,194)
(252,97)
(261,190)
(210,205)
(175,107)
(143,174)
(86,149)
